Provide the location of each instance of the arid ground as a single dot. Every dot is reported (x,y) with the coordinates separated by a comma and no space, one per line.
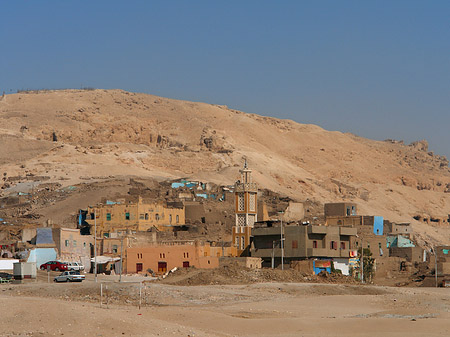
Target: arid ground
(259,309)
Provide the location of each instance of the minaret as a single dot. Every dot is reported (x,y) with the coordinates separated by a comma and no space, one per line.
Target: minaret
(245,208)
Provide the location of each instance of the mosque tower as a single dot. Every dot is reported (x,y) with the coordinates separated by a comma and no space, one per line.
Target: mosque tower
(245,209)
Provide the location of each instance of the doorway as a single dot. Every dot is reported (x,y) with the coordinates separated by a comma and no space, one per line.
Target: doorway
(162,267)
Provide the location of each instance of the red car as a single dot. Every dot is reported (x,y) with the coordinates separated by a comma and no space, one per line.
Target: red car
(54,266)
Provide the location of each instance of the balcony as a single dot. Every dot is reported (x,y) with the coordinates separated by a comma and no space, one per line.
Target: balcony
(317,230)
(325,252)
(350,231)
(248,187)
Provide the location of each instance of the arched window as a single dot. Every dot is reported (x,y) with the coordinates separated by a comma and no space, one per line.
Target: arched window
(178,219)
(146,216)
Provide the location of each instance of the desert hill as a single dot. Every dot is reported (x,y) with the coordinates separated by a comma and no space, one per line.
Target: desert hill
(74,136)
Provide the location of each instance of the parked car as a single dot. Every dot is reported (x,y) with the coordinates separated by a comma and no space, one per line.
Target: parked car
(5,277)
(54,266)
(75,266)
(69,276)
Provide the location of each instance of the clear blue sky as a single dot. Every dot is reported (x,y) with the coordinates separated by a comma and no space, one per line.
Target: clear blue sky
(379,69)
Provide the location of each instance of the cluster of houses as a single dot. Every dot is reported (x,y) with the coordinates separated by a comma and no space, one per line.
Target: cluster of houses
(136,235)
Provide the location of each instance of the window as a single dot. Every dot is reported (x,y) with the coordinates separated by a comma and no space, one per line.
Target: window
(146,216)
(141,216)
(333,245)
(243,242)
(138,267)
(178,219)
(241,202)
(342,245)
(92,216)
(114,248)
(84,244)
(314,244)
(156,216)
(294,244)
(74,243)
(187,255)
(66,243)
(379,245)
(170,218)
(252,202)
(127,216)
(108,216)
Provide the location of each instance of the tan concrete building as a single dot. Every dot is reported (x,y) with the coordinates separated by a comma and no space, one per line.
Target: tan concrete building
(134,216)
(340,209)
(166,256)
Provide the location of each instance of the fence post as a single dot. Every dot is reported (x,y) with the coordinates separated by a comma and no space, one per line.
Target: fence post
(101,294)
(140,295)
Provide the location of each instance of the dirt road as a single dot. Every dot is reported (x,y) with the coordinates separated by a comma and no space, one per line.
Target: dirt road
(267,309)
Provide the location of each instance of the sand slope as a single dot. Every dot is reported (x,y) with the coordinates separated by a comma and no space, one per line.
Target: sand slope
(111,133)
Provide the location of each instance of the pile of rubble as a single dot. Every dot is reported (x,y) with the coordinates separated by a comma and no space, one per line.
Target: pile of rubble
(232,274)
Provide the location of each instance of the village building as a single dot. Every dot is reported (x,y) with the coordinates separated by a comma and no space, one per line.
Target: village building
(134,216)
(301,242)
(164,256)
(72,246)
(340,209)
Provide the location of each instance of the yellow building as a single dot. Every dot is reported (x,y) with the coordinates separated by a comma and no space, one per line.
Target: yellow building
(134,216)
(246,210)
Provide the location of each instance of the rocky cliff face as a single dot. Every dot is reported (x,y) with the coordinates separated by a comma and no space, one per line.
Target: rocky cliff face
(69,135)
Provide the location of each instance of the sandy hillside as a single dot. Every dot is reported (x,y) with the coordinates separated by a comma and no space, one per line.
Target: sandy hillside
(113,133)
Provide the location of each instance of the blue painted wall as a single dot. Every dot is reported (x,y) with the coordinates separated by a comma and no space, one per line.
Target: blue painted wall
(399,241)
(42,255)
(378,225)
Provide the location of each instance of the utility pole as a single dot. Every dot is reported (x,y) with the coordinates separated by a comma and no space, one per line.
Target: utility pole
(435,266)
(282,241)
(273,254)
(95,244)
(121,259)
(362,261)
